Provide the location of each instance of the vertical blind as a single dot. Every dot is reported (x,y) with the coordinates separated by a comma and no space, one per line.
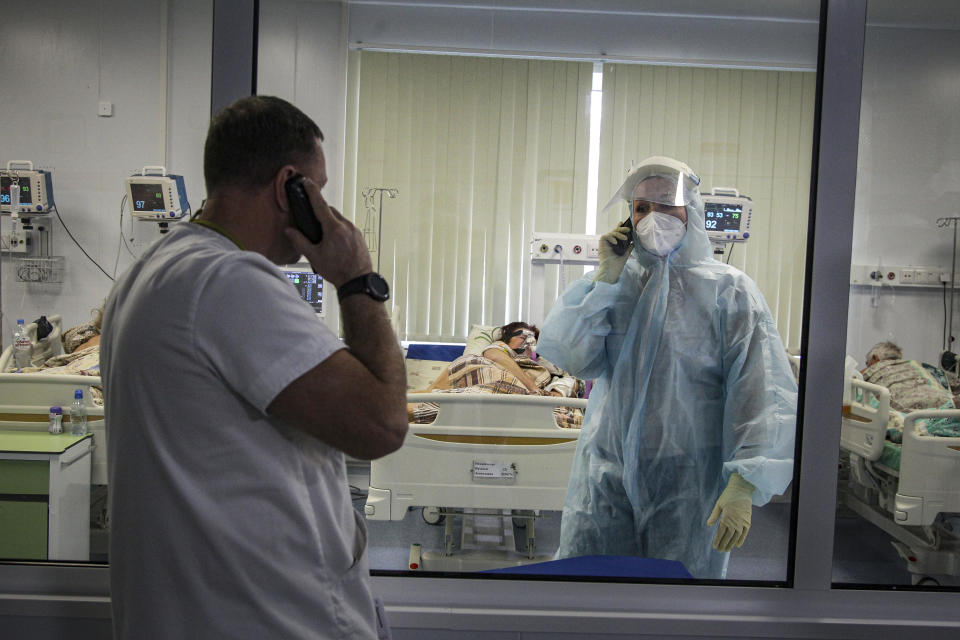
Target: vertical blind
(751,130)
(482,152)
(485,151)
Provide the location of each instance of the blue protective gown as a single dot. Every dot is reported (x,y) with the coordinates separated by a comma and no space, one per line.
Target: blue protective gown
(692,383)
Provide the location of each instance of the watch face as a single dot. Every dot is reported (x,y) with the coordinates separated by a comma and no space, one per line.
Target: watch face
(378,286)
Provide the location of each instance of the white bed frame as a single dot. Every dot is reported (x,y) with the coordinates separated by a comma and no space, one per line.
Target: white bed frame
(467,456)
(906,502)
(484,454)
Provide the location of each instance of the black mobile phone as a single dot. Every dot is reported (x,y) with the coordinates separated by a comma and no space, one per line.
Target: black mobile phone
(622,245)
(301,211)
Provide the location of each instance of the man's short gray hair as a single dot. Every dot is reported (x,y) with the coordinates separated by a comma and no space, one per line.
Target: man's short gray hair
(885,351)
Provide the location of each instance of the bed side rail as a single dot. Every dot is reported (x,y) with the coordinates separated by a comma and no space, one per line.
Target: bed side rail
(28,393)
(498,410)
(929,471)
(863,427)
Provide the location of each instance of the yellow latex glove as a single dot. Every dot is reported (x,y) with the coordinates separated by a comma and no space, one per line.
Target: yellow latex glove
(733,510)
(610,263)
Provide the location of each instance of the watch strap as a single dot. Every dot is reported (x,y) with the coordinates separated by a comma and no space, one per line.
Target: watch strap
(360,284)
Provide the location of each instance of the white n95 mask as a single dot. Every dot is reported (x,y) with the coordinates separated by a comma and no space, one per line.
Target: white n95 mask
(660,233)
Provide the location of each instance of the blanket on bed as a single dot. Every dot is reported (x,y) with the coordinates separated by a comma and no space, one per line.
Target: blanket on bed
(83,362)
(913,386)
(476,374)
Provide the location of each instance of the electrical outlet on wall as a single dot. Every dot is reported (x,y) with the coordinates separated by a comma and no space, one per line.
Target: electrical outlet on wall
(910,276)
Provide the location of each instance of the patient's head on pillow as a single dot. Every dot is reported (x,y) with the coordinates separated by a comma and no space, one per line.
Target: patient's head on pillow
(520,336)
(83,335)
(884,351)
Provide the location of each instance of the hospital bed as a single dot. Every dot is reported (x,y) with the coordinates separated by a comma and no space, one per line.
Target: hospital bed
(487,459)
(908,490)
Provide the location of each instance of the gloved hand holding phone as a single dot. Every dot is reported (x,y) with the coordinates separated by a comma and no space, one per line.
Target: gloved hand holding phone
(614,251)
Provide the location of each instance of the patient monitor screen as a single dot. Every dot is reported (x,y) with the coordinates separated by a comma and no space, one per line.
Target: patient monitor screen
(310,287)
(723,217)
(147,197)
(26,193)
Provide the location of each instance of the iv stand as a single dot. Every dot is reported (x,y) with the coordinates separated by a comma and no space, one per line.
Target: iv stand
(948,339)
(368,198)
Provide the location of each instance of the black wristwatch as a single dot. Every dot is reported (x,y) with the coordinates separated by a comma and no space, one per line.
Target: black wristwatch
(371,284)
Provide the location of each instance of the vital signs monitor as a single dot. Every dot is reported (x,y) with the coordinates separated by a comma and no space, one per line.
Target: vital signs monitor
(156,195)
(308,284)
(32,189)
(727,215)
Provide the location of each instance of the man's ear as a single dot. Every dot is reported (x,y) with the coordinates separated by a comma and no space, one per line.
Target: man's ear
(286,172)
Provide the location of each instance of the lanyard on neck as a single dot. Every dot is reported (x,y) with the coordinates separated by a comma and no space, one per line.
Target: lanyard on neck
(213,226)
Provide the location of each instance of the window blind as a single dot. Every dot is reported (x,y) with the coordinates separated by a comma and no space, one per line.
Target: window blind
(482,152)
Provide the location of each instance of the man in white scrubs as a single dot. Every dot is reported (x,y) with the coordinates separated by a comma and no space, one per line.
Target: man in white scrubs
(230,407)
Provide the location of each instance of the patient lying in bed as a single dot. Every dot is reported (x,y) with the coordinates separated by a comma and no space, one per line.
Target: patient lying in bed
(507,366)
(913,385)
(81,357)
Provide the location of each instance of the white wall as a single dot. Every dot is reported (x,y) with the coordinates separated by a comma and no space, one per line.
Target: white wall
(908,176)
(151,59)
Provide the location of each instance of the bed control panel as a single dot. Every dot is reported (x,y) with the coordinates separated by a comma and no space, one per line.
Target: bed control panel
(566,248)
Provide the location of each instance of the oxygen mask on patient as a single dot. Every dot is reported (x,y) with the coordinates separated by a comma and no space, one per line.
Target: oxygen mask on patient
(529,342)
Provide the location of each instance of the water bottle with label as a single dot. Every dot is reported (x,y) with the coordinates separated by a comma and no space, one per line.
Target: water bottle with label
(78,414)
(22,346)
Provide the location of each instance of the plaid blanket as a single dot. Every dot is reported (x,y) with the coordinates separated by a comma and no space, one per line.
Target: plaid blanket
(476,374)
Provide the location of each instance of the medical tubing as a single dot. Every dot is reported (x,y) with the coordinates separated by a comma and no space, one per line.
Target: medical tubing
(79,246)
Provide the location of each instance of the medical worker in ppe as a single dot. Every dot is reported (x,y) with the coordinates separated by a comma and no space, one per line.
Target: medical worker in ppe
(692,416)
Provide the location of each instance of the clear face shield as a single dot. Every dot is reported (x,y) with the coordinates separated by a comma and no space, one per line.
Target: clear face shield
(660,180)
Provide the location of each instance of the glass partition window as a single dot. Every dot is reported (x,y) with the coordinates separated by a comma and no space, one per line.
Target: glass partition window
(897,521)
(470,179)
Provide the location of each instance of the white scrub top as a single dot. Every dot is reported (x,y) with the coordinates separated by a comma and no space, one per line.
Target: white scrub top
(225,522)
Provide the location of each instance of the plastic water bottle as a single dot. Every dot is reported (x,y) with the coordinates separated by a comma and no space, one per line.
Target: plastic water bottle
(22,347)
(78,414)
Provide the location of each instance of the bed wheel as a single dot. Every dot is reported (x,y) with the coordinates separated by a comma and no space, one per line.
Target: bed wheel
(431,515)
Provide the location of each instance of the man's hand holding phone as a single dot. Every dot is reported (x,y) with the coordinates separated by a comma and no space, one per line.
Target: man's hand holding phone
(342,254)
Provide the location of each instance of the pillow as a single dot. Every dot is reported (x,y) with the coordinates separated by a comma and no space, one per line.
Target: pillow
(479,338)
(420,373)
